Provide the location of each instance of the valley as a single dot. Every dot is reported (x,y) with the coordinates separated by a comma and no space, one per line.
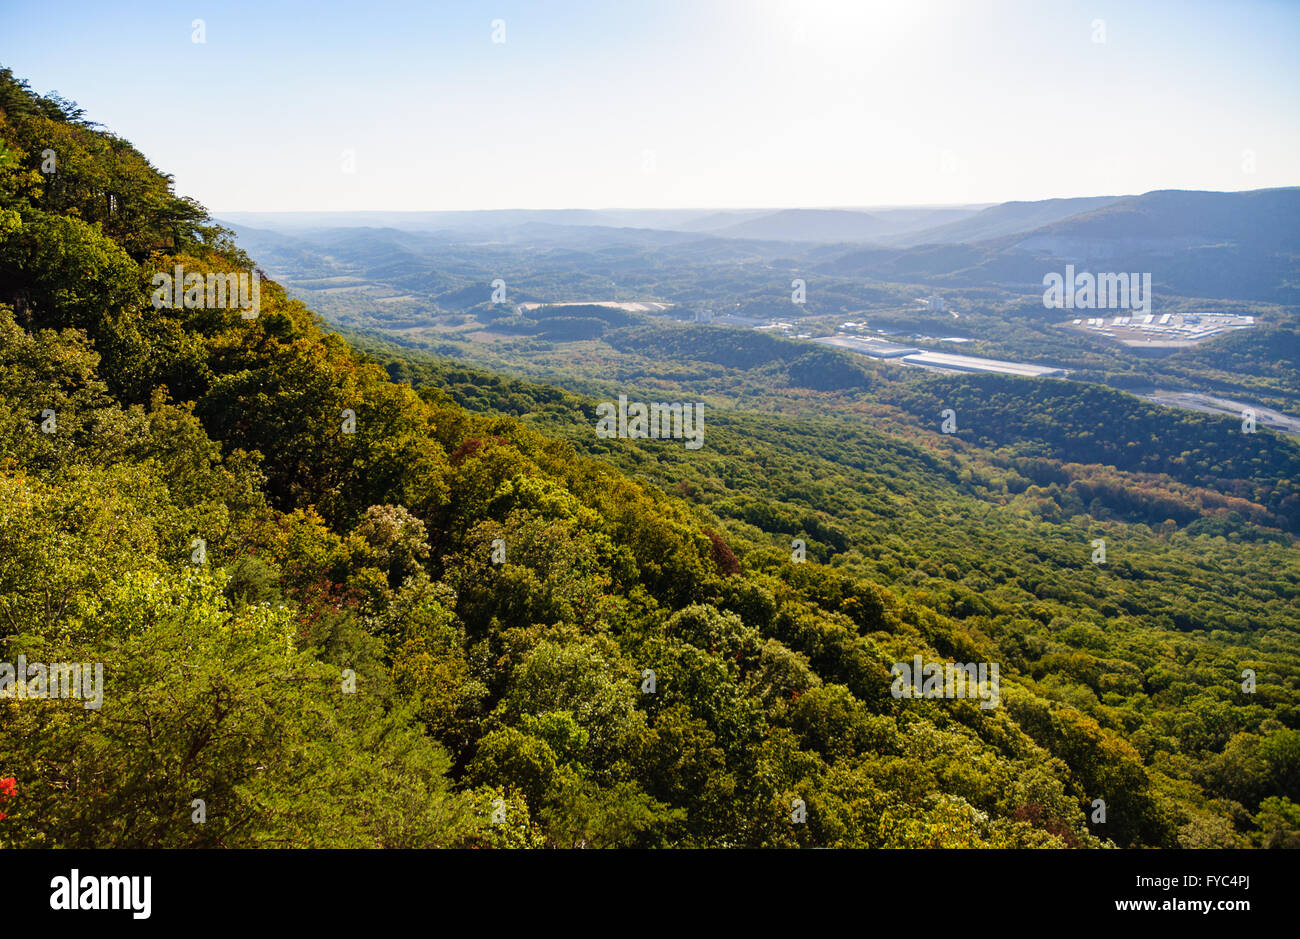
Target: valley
(622,527)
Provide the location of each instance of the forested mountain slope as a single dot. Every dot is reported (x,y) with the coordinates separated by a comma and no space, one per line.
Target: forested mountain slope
(344,611)
(1197,581)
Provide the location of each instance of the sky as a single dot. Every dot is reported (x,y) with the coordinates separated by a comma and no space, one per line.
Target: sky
(322,106)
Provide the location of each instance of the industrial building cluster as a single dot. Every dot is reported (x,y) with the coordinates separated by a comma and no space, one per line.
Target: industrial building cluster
(1166,329)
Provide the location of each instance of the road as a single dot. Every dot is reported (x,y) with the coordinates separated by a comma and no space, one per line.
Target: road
(1208,404)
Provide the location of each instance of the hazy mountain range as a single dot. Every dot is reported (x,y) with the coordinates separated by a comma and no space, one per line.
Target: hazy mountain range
(1240,245)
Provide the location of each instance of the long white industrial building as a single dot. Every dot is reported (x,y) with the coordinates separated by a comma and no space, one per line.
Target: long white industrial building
(969,363)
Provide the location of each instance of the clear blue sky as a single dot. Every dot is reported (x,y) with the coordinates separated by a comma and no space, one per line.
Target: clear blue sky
(676,104)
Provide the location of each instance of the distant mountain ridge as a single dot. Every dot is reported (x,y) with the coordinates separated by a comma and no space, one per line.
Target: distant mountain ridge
(800,224)
(1226,245)
(1171,220)
(1005,219)
(836,225)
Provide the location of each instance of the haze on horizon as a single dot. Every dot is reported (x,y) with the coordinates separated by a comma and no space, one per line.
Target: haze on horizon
(402,106)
